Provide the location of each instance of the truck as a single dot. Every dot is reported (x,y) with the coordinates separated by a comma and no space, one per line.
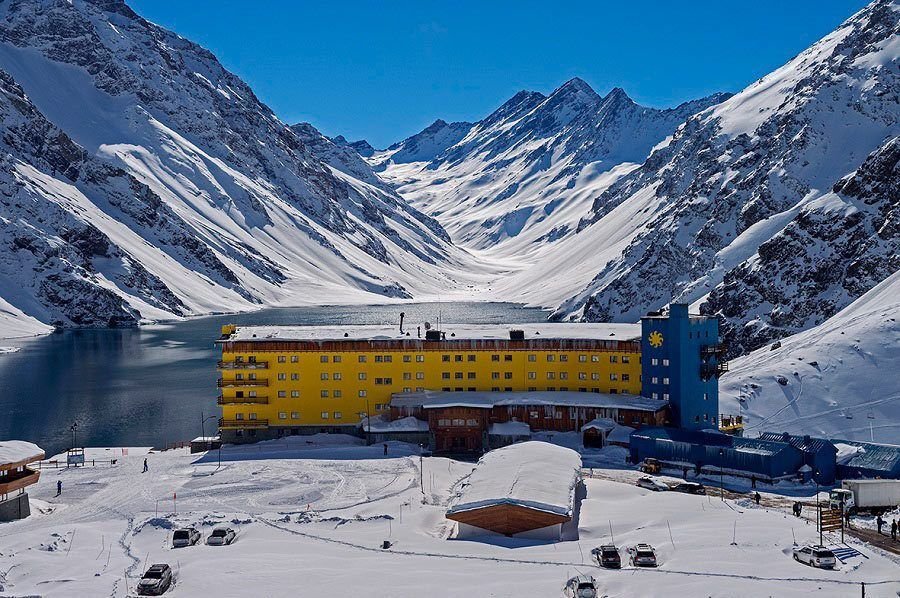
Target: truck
(875,496)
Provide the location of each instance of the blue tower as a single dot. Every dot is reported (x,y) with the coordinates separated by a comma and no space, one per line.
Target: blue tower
(681,360)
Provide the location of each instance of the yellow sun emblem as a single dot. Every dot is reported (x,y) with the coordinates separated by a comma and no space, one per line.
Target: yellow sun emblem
(656,339)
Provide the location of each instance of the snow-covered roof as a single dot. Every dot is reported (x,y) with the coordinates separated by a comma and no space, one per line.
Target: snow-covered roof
(620,434)
(17,451)
(600,423)
(405,424)
(542,330)
(535,475)
(434,399)
(510,429)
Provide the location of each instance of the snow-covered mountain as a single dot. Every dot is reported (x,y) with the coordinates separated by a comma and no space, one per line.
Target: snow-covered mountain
(141,179)
(837,379)
(524,176)
(775,208)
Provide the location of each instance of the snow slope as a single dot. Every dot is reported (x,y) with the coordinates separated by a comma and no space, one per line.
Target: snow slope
(526,174)
(748,196)
(839,378)
(311,518)
(196,198)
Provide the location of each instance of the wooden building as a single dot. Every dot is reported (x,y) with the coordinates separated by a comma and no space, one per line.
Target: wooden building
(15,476)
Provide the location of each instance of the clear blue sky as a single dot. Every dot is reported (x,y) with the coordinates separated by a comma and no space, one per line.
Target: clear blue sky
(385,70)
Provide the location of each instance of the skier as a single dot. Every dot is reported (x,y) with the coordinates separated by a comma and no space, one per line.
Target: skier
(58,487)
(145,465)
(756,497)
(894,530)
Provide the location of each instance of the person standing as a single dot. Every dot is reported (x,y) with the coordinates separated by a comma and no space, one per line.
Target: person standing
(58,487)
(756,497)
(894,530)
(879,521)
(146,468)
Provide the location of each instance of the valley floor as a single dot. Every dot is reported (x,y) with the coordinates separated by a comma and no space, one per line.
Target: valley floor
(311,515)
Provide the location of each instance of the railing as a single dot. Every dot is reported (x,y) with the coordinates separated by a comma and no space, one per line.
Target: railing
(711,350)
(731,423)
(264,400)
(232,424)
(222,383)
(16,480)
(708,370)
(242,365)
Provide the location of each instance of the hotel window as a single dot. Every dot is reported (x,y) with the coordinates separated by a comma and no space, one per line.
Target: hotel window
(295,376)
(323,358)
(444,422)
(361,358)
(445,375)
(551,376)
(458,375)
(654,380)
(595,376)
(458,358)
(613,391)
(626,359)
(407,358)
(613,358)
(470,375)
(563,388)
(238,376)
(665,362)
(336,394)
(295,415)
(323,376)
(705,417)
(458,389)
(323,394)
(238,416)
(335,358)
(338,415)
(665,380)
(407,389)
(532,357)
(532,388)
(445,388)
(557,415)
(470,358)
(665,396)
(336,376)
(655,395)
(507,358)
(384,381)
(282,376)
(495,358)
(239,358)
(495,389)
(654,361)
(252,416)
(507,375)
(378,406)
(582,375)
(495,375)
(379,359)
(582,358)
(626,377)
(420,375)
(420,388)
(595,358)
(251,393)
(407,375)
(324,415)
(597,390)
(362,375)
(420,358)
(295,394)
(282,359)
(705,396)
(613,376)
(472,422)
(295,358)
(362,394)
(282,415)
(582,389)
(445,358)
(551,388)
(551,357)
(532,375)
(471,389)
(564,358)
(388,358)
(282,394)
(508,389)
(564,375)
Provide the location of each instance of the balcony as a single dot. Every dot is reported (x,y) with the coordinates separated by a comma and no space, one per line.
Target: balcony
(258,400)
(731,424)
(710,370)
(712,350)
(242,424)
(222,383)
(242,365)
(16,480)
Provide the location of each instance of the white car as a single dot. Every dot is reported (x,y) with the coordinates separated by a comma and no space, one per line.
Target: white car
(652,484)
(643,555)
(581,586)
(221,536)
(815,556)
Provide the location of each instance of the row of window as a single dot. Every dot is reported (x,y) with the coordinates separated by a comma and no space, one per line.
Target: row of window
(337,393)
(446,358)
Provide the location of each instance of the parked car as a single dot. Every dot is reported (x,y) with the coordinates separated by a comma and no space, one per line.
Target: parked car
(221,536)
(815,556)
(156,580)
(185,537)
(581,586)
(608,556)
(642,555)
(689,488)
(652,484)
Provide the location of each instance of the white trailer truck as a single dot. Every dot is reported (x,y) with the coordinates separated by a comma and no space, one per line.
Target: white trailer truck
(866,495)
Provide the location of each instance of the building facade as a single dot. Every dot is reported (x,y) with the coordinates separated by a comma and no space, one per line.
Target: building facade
(281,380)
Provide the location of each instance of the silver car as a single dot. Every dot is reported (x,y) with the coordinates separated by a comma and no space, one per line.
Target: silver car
(221,536)
(582,586)
(185,537)
(642,555)
(815,556)
(652,484)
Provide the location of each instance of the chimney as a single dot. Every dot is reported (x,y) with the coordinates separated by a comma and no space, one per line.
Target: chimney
(419,331)
(401,321)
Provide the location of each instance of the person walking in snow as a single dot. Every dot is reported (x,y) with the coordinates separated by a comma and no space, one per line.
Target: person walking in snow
(879,521)
(58,487)
(146,468)
(894,530)
(756,497)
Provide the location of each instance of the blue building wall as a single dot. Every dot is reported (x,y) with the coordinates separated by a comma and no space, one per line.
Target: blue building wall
(679,362)
(750,456)
(875,461)
(818,453)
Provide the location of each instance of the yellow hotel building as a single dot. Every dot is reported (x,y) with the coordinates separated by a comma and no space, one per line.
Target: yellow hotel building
(282,380)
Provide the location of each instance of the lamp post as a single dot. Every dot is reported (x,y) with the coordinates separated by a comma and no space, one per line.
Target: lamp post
(203,421)
(722,474)
(818,506)
(74,428)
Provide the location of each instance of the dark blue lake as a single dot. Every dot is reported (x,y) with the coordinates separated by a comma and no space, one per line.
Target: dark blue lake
(153,385)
